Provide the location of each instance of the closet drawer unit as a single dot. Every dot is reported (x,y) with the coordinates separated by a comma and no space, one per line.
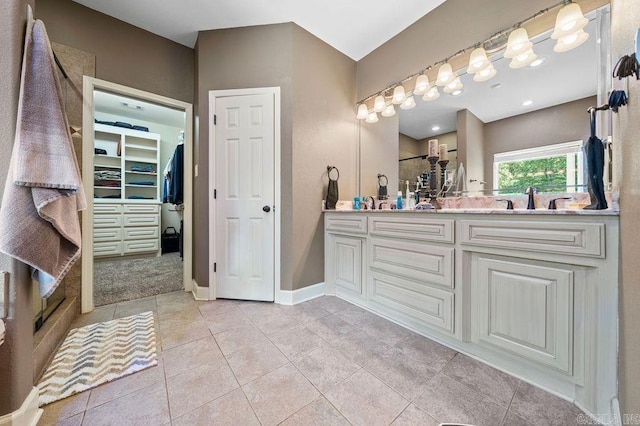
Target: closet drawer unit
(410,227)
(107,249)
(349,223)
(141,208)
(576,239)
(107,208)
(141,233)
(141,220)
(107,220)
(101,235)
(141,246)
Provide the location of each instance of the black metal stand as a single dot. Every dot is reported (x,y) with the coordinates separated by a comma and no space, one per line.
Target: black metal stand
(443,175)
(433,192)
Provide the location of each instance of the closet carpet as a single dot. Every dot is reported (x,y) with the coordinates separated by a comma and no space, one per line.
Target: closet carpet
(128,279)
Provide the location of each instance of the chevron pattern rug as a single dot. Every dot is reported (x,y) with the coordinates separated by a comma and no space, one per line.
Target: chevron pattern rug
(99,353)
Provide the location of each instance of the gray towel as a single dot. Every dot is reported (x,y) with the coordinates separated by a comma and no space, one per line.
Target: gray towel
(39,213)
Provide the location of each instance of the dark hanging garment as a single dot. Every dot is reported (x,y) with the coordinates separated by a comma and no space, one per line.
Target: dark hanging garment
(176,190)
(332,190)
(594,151)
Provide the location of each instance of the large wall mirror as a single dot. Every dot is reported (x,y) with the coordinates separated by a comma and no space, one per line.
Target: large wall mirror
(524,127)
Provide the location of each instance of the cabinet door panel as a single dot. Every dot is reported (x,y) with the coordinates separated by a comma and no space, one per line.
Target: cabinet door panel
(348,264)
(345,222)
(525,309)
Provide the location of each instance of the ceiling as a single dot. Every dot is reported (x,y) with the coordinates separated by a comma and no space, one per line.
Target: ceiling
(563,78)
(354,27)
(112,104)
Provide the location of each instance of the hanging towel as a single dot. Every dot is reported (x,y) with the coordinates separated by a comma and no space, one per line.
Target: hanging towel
(332,190)
(594,151)
(43,193)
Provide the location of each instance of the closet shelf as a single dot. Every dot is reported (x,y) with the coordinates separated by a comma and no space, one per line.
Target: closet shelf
(142,173)
(107,187)
(107,167)
(140,147)
(106,156)
(140,186)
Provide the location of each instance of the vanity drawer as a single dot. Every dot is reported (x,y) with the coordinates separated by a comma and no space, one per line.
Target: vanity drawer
(412,228)
(141,208)
(141,233)
(578,239)
(351,223)
(141,220)
(412,303)
(107,249)
(141,246)
(107,220)
(412,260)
(107,208)
(101,235)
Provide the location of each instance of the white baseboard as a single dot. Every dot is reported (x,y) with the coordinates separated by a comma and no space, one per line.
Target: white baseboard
(301,295)
(199,293)
(27,414)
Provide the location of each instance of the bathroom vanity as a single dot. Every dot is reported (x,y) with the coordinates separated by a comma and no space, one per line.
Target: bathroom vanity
(533,293)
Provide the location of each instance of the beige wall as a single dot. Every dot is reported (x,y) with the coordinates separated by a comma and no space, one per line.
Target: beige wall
(379,154)
(125,54)
(625,21)
(470,141)
(561,123)
(317,129)
(324,133)
(16,370)
(407,146)
(237,58)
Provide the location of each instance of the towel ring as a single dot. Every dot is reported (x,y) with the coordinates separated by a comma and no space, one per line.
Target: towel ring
(386,180)
(332,168)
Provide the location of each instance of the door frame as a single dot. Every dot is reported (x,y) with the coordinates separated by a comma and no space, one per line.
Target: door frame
(213,95)
(89,84)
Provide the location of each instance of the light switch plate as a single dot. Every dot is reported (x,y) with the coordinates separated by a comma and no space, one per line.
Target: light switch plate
(195,171)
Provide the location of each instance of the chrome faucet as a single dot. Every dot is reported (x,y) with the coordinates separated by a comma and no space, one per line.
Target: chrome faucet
(531,205)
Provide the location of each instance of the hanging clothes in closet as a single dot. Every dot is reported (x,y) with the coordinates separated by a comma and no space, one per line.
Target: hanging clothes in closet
(173,187)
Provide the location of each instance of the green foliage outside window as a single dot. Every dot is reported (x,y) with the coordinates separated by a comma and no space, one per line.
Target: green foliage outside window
(515,176)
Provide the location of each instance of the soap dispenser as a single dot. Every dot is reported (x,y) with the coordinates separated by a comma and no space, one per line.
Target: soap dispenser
(399,201)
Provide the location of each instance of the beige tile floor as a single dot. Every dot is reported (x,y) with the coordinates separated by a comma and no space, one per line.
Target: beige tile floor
(322,362)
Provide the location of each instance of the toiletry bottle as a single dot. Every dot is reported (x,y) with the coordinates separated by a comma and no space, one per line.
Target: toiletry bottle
(399,201)
(407,203)
(356,203)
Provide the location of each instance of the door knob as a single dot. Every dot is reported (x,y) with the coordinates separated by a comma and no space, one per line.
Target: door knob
(266,209)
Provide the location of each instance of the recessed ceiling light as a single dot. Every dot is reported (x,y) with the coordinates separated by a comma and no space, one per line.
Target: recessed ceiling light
(496,86)
(435,128)
(527,102)
(541,60)
(457,92)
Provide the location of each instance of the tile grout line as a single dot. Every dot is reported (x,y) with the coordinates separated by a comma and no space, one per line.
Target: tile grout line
(511,402)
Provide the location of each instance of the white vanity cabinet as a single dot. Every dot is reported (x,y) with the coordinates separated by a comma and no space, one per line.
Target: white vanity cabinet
(534,294)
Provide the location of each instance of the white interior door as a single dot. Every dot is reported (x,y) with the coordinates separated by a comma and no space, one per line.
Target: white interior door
(245,190)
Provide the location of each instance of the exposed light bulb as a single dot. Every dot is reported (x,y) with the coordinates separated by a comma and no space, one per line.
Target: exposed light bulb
(389,111)
(363,112)
(379,103)
(372,118)
(432,94)
(478,61)
(398,95)
(409,103)
(518,43)
(445,74)
(570,19)
(422,84)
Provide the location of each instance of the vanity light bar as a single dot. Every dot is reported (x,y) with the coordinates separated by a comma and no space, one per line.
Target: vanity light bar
(568,30)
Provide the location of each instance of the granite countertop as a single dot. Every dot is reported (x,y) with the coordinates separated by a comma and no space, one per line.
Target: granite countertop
(568,212)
